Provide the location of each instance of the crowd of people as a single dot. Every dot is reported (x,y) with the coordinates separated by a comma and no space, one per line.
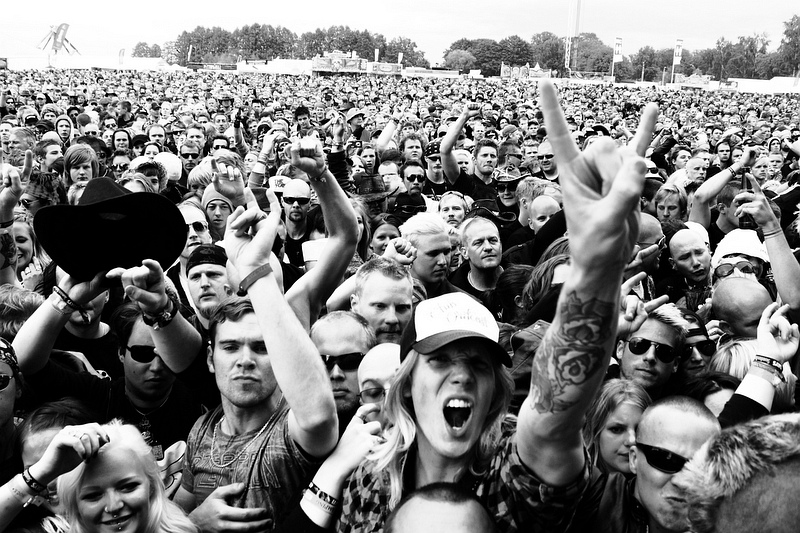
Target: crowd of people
(569,310)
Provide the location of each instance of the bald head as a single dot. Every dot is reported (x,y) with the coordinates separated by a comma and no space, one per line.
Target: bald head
(650,233)
(739,302)
(690,256)
(379,366)
(297,188)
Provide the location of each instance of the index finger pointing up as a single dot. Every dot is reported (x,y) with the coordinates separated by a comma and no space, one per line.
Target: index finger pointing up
(558,133)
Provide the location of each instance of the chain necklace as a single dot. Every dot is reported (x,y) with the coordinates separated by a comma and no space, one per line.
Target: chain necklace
(246,446)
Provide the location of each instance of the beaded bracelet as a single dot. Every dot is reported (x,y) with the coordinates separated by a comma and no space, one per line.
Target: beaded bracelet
(324,496)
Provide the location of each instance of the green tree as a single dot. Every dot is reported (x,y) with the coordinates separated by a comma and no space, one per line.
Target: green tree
(141,49)
(591,54)
(547,49)
(459,60)
(412,57)
(514,51)
(646,56)
(790,46)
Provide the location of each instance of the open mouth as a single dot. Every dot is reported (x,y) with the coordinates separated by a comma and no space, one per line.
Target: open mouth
(457,413)
(118,522)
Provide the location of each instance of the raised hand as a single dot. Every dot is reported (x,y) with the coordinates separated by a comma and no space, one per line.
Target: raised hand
(777,338)
(70,446)
(601,186)
(307,155)
(144,284)
(228,181)
(12,185)
(472,110)
(250,233)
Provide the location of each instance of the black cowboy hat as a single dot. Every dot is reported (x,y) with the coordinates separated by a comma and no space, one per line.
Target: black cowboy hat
(111,227)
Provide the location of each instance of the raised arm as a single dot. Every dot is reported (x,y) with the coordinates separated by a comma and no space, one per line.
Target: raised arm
(449,163)
(9,197)
(295,361)
(309,293)
(388,131)
(785,268)
(705,194)
(177,341)
(601,190)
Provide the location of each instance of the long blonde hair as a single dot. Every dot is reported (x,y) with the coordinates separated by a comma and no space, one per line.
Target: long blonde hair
(402,433)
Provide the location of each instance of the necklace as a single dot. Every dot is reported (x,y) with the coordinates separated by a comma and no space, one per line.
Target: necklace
(246,446)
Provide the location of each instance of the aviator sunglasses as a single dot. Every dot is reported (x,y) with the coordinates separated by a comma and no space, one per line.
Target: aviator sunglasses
(664,353)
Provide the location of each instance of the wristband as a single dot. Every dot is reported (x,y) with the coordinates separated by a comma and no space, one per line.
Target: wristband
(72,304)
(4,225)
(59,304)
(324,496)
(771,364)
(773,233)
(252,277)
(163,317)
(319,177)
(326,507)
(31,481)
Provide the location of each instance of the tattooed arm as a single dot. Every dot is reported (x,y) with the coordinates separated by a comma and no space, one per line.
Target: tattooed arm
(9,196)
(601,190)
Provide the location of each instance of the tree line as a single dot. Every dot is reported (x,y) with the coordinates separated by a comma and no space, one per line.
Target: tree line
(744,57)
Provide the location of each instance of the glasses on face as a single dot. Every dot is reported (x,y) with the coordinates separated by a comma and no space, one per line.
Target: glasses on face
(546,157)
(706,348)
(664,352)
(5,381)
(411,209)
(299,199)
(725,270)
(142,354)
(92,133)
(190,156)
(661,459)
(347,361)
(120,167)
(434,158)
(197,226)
(503,187)
(220,147)
(419,178)
(27,202)
(374,395)
(662,244)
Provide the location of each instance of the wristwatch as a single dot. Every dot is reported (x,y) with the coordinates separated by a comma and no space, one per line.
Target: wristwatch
(164,317)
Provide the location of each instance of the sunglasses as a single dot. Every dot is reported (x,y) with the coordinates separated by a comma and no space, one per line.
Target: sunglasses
(546,157)
(92,133)
(706,348)
(419,178)
(27,202)
(411,209)
(5,381)
(142,354)
(197,226)
(664,352)
(347,361)
(723,271)
(190,156)
(373,395)
(661,459)
(434,158)
(503,187)
(121,166)
(299,199)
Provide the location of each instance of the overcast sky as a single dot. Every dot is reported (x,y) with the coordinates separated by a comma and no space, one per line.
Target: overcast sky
(103,27)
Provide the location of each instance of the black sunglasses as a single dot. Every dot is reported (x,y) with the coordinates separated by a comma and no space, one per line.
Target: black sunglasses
(664,352)
(546,156)
(707,348)
(190,156)
(121,166)
(299,199)
(410,209)
(142,354)
(661,459)
(419,178)
(723,271)
(197,226)
(346,361)
(5,381)
(26,202)
(504,186)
